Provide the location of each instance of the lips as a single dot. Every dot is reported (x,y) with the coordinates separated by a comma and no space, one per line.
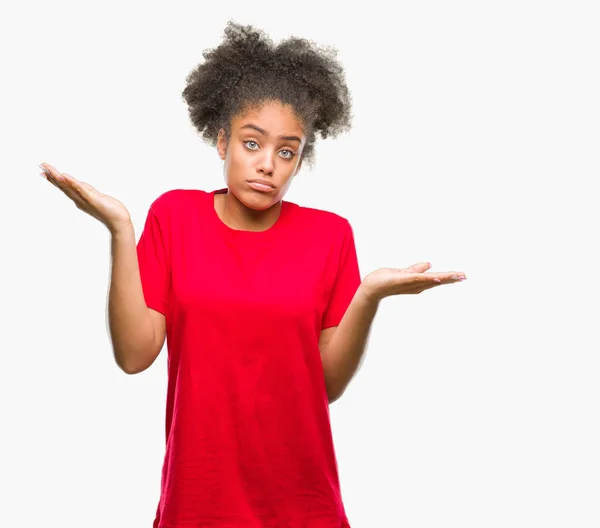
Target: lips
(262,182)
(260,187)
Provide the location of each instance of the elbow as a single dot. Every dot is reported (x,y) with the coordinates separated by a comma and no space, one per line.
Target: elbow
(134,361)
(130,367)
(127,368)
(333,397)
(133,369)
(130,371)
(333,394)
(334,384)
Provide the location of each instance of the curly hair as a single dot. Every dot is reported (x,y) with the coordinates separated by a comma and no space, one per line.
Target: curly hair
(247,69)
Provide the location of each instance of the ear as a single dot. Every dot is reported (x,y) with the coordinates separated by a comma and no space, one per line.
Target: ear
(222,144)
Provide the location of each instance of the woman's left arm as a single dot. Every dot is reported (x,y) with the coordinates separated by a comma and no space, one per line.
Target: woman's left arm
(342,355)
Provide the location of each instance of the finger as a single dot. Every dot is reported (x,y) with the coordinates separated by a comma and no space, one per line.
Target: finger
(71,182)
(47,177)
(59,177)
(69,188)
(49,169)
(86,188)
(420,267)
(52,180)
(67,182)
(423,287)
(450,277)
(425,278)
(456,275)
(75,187)
(423,282)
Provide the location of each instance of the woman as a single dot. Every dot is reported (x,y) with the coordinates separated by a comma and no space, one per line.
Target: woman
(261,299)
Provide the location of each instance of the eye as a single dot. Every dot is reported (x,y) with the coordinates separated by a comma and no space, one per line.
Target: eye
(290,155)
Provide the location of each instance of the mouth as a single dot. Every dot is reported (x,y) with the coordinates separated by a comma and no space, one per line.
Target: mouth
(261,186)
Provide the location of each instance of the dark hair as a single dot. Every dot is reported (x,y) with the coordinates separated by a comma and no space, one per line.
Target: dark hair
(246,70)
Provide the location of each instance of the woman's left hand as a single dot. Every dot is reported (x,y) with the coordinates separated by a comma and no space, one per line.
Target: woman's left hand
(384,282)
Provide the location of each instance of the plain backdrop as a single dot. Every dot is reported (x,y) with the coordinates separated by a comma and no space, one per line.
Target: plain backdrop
(474,146)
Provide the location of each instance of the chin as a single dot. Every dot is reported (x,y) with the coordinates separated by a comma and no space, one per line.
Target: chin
(256,201)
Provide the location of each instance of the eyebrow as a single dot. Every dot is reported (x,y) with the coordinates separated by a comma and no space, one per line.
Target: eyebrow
(258,129)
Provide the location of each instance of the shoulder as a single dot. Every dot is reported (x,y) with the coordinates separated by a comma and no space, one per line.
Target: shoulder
(326,221)
(176,200)
(320,216)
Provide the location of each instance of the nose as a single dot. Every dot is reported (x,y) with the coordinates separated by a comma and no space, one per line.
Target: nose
(267,163)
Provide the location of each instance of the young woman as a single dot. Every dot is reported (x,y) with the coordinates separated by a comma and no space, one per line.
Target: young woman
(260,300)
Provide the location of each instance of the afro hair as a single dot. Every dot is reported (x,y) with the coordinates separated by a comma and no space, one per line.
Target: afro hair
(247,69)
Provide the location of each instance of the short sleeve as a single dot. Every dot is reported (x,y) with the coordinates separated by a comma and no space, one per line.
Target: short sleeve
(346,283)
(153,264)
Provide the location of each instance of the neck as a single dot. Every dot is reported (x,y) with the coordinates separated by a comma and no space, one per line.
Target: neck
(237,216)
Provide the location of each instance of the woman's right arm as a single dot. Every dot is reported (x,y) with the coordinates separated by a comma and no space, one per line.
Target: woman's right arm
(137,332)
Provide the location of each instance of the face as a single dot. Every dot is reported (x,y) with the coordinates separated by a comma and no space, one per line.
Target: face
(265,144)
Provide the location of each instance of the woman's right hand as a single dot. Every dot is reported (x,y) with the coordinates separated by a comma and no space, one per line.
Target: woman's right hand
(112,213)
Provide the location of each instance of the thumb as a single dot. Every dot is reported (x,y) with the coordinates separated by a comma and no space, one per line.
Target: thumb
(420,267)
(87,186)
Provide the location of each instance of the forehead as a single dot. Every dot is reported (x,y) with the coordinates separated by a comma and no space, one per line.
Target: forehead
(275,118)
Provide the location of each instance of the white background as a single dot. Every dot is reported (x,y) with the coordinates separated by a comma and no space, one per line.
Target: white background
(474,147)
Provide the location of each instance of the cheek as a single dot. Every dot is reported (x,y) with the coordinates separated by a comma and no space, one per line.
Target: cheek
(238,158)
(230,162)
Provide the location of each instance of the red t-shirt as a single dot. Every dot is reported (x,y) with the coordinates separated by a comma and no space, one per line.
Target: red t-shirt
(248,435)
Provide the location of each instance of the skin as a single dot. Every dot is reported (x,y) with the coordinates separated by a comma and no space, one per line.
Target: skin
(252,154)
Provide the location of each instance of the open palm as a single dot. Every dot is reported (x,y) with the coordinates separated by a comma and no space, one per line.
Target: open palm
(385,282)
